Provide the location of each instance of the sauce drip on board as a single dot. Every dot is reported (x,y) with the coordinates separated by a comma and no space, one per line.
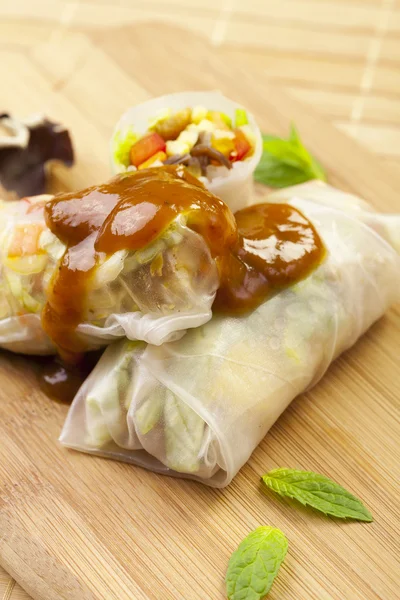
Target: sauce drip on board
(276,247)
(61,381)
(128,213)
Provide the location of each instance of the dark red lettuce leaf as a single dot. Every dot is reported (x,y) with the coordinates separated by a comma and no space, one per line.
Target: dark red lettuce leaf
(23,163)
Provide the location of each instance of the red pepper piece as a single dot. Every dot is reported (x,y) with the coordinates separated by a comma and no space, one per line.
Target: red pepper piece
(242,146)
(144,148)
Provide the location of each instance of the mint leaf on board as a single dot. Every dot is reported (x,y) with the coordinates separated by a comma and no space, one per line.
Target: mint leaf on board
(255,564)
(317,491)
(287,162)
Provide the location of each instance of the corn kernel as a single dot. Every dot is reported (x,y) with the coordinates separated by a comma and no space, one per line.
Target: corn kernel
(199,113)
(206,125)
(176,147)
(188,137)
(223,134)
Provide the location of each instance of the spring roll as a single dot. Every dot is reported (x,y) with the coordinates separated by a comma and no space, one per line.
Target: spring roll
(216,138)
(198,407)
(136,257)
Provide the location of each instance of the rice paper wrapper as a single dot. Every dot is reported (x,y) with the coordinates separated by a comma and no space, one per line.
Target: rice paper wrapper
(25,270)
(154,294)
(386,225)
(235,186)
(198,407)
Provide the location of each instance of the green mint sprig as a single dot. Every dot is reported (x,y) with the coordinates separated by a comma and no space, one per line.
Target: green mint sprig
(317,491)
(287,162)
(255,564)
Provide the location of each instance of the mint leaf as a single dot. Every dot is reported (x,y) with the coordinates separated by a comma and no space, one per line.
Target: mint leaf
(315,165)
(317,491)
(294,134)
(274,173)
(287,162)
(255,564)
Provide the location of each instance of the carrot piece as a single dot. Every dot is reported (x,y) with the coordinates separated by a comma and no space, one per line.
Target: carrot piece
(157,156)
(146,147)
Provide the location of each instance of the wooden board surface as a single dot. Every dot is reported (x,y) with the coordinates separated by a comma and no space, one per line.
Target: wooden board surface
(340,56)
(76,527)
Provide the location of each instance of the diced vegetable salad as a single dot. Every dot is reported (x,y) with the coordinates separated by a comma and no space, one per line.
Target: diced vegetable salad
(207,142)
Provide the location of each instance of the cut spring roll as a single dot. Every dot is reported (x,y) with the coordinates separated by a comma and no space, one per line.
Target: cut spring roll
(136,257)
(199,406)
(28,258)
(215,138)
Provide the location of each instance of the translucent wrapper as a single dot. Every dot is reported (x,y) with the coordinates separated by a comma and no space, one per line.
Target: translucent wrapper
(386,225)
(153,294)
(198,407)
(234,186)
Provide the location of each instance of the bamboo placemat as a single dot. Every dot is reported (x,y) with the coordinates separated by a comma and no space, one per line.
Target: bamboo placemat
(340,56)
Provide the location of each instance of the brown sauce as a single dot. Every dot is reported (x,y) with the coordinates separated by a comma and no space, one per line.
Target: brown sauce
(276,247)
(127,213)
(61,381)
(271,246)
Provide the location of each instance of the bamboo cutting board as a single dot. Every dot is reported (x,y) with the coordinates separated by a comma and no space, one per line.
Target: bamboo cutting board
(76,527)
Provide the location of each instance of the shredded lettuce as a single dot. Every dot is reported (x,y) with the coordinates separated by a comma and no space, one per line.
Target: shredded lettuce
(30,304)
(27,265)
(149,414)
(122,145)
(184,431)
(104,405)
(51,244)
(15,284)
(109,270)
(5,307)
(148,253)
(241,117)
(97,434)
(226,119)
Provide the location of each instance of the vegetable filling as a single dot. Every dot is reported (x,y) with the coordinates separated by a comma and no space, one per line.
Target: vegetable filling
(206,141)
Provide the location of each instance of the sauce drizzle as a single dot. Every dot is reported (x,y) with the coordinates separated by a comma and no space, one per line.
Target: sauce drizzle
(127,213)
(263,248)
(276,247)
